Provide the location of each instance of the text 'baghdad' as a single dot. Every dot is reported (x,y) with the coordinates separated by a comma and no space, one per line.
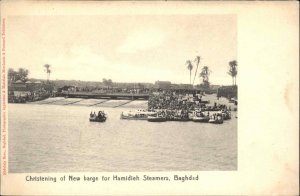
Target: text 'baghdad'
(85,178)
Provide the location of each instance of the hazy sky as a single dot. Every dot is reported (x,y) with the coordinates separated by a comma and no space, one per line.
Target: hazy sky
(127,48)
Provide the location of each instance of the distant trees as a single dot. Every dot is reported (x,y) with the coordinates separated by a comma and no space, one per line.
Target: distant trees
(233,71)
(107,82)
(140,86)
(21,74)
(11,75)
(48,71)
(204,74)
(190,68)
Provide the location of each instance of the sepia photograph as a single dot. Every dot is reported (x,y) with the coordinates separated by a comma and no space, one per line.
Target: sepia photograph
(122,93)
(149,98)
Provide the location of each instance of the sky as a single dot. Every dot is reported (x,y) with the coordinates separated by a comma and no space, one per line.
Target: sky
(124,48)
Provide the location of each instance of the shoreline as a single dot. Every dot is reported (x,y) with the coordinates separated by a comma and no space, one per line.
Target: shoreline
(109,103)
(118,103)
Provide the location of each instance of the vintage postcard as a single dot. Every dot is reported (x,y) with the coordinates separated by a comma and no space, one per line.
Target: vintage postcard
(149,98)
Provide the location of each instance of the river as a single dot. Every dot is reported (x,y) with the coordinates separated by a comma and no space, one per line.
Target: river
(60,138)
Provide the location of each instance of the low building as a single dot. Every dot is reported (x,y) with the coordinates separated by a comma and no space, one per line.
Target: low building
(27,91)
(228,92)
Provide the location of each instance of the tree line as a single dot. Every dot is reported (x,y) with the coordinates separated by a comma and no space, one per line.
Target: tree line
(205,72)
(22,74)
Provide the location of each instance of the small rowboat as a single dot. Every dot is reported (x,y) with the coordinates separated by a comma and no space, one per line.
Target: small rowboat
(226,115)
(136,115)
(98,118)
(217,120)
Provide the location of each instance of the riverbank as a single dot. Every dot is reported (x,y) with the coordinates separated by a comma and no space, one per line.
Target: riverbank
(112,103)
(143,104)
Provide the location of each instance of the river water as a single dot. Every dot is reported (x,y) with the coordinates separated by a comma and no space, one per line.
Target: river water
(57,138)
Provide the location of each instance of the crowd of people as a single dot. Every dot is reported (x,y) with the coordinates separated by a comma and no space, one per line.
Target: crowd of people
(176,104)
(173,114)
(174,100)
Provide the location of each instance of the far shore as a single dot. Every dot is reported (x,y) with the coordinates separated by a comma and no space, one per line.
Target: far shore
(118,103)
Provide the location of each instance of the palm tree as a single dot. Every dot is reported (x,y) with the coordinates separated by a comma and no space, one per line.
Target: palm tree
(233,71)
(48,74)
(204,74)
(197,61)
(189,67)
(48,71)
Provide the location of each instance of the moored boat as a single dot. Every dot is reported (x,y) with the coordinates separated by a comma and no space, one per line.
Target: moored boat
(216,119)
(136,115)
(157,118)
(201,118)
(178,118)
(226,115)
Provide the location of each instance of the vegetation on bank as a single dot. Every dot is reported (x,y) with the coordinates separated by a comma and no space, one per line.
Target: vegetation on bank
(18,82)
(222,91)
(17,75)
(233,71)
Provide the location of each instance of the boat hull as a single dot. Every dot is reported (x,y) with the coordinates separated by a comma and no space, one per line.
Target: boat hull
(216,121)
(226,116)
(133,118)
(97,119)
(156,119)
(181,120)
(201,119)
(136,115)
(178,118)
